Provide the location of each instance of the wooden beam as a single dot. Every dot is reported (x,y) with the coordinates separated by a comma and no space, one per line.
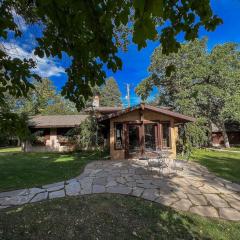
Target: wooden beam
(141,137)
(140,122)
(160,135)
(126,140)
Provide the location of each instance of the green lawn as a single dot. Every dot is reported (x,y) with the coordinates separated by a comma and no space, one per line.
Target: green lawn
(235,149)
(108,217)
(223,164)
(10,149)
(21,170)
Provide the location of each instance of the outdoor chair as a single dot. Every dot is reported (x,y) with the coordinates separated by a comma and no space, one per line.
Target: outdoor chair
(159,162)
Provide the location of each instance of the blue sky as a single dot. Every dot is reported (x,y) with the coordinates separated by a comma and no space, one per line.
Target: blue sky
(135,63)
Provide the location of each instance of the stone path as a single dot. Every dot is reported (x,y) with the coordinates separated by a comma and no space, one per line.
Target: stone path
(183,186)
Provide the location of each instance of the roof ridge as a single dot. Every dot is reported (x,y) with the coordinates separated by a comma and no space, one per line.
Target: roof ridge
(151,108)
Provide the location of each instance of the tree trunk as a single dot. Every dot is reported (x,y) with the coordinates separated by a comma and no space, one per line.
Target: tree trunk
(24,146)
(18,142)
(225,136)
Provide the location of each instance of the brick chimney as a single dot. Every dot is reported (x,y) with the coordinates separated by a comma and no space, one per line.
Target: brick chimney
(96,101)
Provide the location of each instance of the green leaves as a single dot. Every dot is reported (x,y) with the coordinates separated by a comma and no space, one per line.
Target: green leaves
(15,76)
(14,125)
(38,51)
(148,8)
(91,34)
(144,29)
(168,41)
(197,82)
(144,88)
(139,6)
(145,22)
(170,69)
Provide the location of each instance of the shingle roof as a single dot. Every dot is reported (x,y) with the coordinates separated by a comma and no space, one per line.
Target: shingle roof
(165,111)
(103,109)
(53,121)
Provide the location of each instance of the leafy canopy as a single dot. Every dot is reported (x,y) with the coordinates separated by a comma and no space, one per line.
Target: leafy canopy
(43,99)
(203,84)
(90,32)
(14,125)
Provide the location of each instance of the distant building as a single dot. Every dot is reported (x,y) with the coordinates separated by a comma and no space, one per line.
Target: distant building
(233,132)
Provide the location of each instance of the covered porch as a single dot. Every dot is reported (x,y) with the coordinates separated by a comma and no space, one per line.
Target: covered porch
(143,131)
(141,139)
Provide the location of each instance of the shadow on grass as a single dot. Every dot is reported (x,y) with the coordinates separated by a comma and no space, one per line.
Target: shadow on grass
(22,170)
(103,216)
(225,165)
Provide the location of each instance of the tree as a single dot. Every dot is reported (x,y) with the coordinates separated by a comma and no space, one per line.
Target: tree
(60,106)
(110,94)
(90,33)
(14,126)
(39,98)
(14,112)
(204,84)
(44,99)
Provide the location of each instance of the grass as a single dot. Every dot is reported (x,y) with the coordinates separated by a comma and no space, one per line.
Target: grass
(108,217)
(10,149)
(235,149)
(23,170)
(223,164)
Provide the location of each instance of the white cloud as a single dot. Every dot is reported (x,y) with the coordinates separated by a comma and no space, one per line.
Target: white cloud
(19,21)
(46,67)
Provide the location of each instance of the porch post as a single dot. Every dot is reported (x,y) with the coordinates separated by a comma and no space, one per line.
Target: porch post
(125,140)
(156,135)
(141,130)
(171,133)
(159,127)
(141,136)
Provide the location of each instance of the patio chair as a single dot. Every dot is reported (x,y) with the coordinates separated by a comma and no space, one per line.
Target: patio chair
(160,162)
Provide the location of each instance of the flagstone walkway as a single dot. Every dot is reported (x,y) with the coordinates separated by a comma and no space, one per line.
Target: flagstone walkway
(182,186)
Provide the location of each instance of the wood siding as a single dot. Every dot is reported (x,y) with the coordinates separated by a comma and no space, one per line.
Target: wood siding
(139,116)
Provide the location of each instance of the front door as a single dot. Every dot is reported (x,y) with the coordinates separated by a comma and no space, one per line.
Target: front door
(141,140)
(133,140)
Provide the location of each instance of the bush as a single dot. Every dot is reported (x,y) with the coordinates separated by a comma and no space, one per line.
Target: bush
(192,135)
(87,136)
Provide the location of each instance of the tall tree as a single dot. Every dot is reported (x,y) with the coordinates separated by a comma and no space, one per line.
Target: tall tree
(13,126)
(39,98)
(14,112)
(204,84)
(44,99)
(90,33)
(110,94)
(60,106)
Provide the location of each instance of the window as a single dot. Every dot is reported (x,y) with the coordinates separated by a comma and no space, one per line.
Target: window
(166,135)
(118,136)
(150,136)
(133,138)
(64,131)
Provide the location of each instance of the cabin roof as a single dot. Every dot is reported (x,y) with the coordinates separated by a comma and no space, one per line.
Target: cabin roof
(56,121)
(178,116)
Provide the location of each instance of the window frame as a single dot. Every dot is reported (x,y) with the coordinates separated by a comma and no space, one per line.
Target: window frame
(156,135)
(115,136)
(169,132)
